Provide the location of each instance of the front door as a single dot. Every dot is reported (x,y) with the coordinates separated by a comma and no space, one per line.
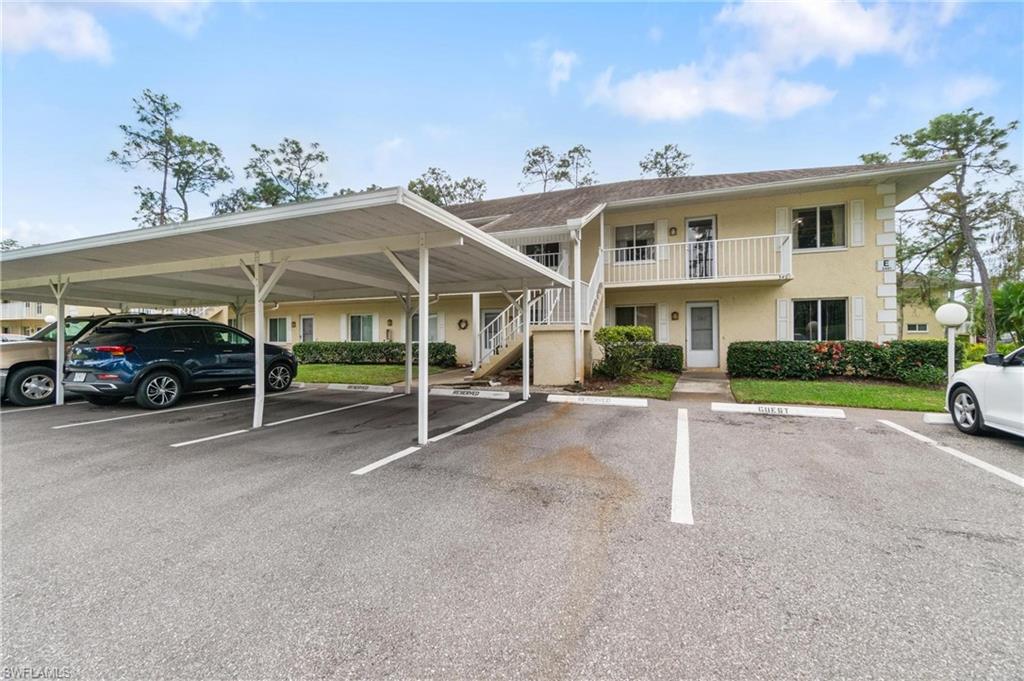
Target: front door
(701,335)
(489,331)
(306,332)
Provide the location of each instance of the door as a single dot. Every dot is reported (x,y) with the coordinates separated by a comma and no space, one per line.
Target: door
(306,330)
(701,335)
(1002,403)
(700,247)
(232,353)
(488,316)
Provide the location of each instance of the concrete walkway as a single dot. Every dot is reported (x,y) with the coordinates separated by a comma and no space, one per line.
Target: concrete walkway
(702,386)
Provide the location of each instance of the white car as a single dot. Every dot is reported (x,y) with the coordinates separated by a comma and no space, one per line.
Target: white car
(989,395)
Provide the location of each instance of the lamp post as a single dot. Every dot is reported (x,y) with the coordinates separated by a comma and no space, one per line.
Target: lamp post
(951,315)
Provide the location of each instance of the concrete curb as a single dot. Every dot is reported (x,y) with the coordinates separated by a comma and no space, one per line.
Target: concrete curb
(596,399)
(778,410)
(361,387)
(471,392)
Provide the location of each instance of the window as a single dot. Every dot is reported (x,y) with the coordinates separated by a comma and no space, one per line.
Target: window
(431,328)
(636,315)
(277,329)
(917,328)
(216,335)
(360,327)
(39,308)
(819,320)
(191,336)
(549,254)
(637,239)
(819,227)
(72,330)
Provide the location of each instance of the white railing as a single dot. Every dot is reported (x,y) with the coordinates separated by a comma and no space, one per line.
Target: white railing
(550,260)
(594,290)
(749,257)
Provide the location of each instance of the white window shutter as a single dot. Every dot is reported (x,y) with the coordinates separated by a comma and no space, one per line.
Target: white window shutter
(344,328)
(376,328)
(609,316)
(440,327)
(663,322)
(661,237)
(858,318)
(857,222)
(783,330)
(783,224)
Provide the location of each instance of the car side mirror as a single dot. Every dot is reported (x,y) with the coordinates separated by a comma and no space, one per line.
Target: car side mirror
(995,359)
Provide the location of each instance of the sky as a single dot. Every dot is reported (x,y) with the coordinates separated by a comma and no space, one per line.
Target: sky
(389,90)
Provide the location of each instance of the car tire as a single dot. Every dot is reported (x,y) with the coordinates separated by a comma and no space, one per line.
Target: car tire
(32,386)
(279,378)
(103,400)
(159,390)
(965,410)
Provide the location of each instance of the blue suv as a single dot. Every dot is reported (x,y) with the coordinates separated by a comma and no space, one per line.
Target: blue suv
(159,362)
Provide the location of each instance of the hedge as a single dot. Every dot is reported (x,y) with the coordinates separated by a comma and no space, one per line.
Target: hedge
(665,357)
(340,352)
(908,360)
(629,349)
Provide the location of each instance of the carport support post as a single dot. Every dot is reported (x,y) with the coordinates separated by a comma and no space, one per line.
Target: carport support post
(423,390)
(58,288)
(258,312)
(577,307)
(526,341)
(407,302)
(476,331)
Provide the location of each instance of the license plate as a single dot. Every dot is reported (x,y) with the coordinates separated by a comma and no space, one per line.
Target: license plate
(78,377)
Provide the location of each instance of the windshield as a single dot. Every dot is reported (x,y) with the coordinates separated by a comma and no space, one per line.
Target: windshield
(73,328)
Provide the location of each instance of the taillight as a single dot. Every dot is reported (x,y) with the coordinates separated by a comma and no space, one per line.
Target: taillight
(115,350)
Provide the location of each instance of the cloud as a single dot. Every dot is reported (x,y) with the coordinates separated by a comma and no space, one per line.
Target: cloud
(68,32)
(561,64)
(948,11)
(655,34)
(965,89)
(877,102)
(184,16)
(386,151)
(759,81)
(438,133)
(29,233)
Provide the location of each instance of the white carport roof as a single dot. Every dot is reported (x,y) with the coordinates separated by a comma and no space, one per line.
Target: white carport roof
(339,248)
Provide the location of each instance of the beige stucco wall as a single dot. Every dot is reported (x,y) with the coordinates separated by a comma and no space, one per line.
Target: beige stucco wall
(553,357)
(920,313)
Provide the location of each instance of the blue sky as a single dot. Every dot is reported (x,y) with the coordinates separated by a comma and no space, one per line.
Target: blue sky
(389,90)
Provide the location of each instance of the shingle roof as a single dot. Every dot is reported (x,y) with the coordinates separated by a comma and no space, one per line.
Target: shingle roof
(556,207)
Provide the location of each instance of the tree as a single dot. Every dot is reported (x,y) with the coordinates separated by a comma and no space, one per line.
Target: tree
(1008,239)
(9,244)
(186,165)
(875,158)
(574,167)
(285,174)
(964,202)
(668,161)
(437,186)
(540,166)
(348,192)
(1008,301)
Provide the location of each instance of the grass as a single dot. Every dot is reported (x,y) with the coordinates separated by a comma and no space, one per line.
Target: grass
(654,384)
(369,374)
(839,394)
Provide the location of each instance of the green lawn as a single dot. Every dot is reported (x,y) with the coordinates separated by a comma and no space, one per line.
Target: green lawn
(654,384)
(369,374)
(839,393)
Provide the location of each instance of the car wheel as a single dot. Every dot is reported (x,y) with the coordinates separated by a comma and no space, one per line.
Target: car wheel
(32,386)
(105,400)
(279,377)
(159,390)
(966,412)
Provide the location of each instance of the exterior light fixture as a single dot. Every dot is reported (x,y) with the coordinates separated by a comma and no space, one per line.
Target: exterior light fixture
(951,315)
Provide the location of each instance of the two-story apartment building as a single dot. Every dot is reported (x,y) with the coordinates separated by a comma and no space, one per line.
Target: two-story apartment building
(802,254)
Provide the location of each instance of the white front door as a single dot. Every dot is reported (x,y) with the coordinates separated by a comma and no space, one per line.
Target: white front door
(306,329)
(701,335)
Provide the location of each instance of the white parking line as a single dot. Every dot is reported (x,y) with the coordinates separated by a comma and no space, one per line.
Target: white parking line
(158,412)
(985,466)
(458,429)
(597,399)
(682,508)
(211,437)
(778,410)
(18,410)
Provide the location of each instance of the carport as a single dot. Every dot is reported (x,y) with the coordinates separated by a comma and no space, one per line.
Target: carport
(375,244)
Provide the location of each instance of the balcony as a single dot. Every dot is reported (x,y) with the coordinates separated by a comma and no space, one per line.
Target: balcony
(759,258)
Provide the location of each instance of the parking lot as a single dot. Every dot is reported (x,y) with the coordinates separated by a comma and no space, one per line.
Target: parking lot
(528,539)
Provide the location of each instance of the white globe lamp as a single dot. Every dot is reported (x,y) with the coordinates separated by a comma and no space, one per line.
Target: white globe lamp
(49,319)
(951,315)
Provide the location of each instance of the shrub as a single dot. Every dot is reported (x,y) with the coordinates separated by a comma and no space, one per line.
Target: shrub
(924,375)
(665,357)
(339,352)
(627,350)
(898,360)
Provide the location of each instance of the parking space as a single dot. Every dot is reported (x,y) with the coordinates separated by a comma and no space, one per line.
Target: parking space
(536,538)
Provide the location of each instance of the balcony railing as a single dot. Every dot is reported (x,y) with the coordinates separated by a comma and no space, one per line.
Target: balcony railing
(550,260)
(759,257)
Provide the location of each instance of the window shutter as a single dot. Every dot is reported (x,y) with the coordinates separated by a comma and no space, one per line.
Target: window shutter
(440,327)
(857,222)
(858,318)
(344,327)
(663,322)
(376,328)
(609,316)
(783,225)
(783,331)
(661,237)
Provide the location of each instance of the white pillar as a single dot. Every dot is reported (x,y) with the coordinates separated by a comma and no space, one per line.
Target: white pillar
(525,314)
(407,302)
(577,306)
(950,353)
(59,377)
(476,331)
(423,390)
(258,332)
